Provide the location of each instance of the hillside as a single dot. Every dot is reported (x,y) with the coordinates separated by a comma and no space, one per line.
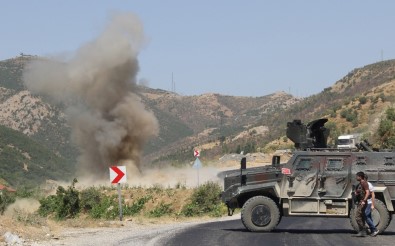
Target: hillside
(216,124)
(184,120)
(26,162)
(207,118)
(355,103)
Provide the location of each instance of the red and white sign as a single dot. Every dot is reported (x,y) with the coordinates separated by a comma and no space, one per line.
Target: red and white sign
(285,171)
(118,174)
(196,153)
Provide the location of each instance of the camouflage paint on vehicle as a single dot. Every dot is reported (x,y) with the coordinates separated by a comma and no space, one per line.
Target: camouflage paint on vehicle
(316,181)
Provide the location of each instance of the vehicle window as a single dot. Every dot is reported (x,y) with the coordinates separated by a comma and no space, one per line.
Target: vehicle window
(389,161)
(334,165)
(344,141)
(304,164)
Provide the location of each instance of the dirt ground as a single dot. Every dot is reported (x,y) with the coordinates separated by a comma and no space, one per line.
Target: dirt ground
(83,231)
(31,229)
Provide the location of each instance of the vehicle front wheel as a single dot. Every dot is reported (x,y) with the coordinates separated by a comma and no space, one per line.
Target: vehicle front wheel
(260,213)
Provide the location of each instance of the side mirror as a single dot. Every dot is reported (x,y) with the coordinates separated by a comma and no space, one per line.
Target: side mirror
(243,180)
(275,161)
(243,163)
(243,166)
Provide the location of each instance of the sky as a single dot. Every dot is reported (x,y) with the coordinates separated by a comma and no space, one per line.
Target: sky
(239,48)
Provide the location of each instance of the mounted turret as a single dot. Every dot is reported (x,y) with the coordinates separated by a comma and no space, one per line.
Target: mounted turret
(311,136)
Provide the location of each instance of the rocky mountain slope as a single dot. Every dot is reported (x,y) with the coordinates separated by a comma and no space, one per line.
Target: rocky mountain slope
(355,103)
(207,118)
(214,123)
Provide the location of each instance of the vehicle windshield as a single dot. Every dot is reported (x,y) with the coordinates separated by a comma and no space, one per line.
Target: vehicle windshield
(344,141)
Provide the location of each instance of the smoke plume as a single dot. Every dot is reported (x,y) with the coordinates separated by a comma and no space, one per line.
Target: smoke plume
(110,124)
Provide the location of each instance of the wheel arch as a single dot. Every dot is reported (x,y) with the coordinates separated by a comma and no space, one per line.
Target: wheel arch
(268,191)
(382,194)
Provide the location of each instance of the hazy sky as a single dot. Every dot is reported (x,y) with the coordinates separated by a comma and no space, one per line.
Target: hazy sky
(246,48)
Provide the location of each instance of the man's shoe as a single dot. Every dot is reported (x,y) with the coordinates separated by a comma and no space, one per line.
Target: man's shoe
(375,233)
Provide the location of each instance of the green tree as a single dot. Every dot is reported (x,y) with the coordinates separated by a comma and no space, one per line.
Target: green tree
(90,198)
(386,133)
(65,203)
(390,113)
(204,200)
(334,132)
(363,100)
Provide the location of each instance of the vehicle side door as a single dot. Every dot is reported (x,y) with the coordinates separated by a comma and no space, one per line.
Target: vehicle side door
(303,178)
(334,176)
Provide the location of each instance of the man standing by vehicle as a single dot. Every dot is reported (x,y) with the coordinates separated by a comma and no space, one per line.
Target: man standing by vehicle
(362,194)
(369,209)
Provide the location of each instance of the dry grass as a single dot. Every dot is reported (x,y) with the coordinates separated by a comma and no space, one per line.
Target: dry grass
(30,226)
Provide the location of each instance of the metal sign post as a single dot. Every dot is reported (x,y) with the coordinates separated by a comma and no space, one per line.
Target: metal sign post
(120,201)
(197,165)
(198,176)
(118,176)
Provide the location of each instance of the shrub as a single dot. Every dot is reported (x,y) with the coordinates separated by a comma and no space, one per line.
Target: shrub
(382,96)
(390,112)
(108,208)
(386,133)
(204,200)
(385,127)
(137,206)
(90,198)
(24,192)
(69,202)
(363,100)
(64,204)
(161,209)
(343,113)
(48,205)
(349,114)
(6,198)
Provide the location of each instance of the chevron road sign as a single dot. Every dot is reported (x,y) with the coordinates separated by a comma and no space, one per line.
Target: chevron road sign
(118,174)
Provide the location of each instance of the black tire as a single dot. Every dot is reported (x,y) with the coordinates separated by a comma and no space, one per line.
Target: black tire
(380,215)
(260,214)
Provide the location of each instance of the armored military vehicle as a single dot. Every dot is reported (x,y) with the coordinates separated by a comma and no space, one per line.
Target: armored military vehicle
(316,181)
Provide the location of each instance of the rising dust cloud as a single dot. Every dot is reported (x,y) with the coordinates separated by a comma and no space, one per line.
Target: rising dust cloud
(110,125)
(22,205)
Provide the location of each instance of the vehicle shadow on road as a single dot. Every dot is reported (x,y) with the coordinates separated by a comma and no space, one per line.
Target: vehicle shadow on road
(301,231)
(315,231)
(311,231)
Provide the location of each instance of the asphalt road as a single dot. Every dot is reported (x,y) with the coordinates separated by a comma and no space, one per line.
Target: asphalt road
(291,231)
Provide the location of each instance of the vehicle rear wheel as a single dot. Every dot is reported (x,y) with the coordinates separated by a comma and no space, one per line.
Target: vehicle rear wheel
(380,215)
(260,213)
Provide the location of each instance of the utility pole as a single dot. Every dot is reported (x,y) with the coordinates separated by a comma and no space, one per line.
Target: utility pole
(173,84)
